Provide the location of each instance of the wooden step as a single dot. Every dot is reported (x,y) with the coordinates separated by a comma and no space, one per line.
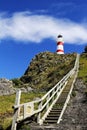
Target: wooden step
(57,107)
(55,110)
(60,101)
(52,118)
(58,110)
(50,121)
(53,115)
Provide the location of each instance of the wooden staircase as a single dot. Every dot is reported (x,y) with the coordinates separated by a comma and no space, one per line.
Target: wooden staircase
(55,112)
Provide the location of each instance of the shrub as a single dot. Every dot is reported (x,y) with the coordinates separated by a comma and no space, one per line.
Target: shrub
(85,49)
(73,93)
(17,82)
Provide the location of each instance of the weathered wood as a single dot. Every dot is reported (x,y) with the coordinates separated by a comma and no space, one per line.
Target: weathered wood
(48,102)
(28,109)
(39,114)
(16,111)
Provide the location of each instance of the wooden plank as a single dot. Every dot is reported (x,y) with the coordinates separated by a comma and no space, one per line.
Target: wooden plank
(16,111)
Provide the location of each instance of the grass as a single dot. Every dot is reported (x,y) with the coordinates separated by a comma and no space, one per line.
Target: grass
(25,127)
(83,68)
(5,122)
(73,93)
(6,103)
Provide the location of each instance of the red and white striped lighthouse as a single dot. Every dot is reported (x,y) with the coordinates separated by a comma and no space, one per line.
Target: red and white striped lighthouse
(60,42)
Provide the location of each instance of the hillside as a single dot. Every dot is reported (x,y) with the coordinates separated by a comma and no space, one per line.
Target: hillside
(75,116)
(45,70)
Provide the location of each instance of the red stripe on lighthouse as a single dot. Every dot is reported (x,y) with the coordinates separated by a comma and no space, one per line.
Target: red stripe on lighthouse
(59,43)
(59,51)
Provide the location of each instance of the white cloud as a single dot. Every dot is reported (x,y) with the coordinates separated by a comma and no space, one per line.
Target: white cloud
(25,26)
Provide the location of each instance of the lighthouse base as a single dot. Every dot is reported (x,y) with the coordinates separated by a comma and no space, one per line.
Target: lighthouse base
(60,52)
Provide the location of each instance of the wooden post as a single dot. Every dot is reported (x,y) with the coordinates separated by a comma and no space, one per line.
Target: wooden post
(53,96)
(16,110)
(39,114)
(48,102)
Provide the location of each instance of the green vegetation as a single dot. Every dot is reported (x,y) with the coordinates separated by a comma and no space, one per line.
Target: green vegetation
(74,93)
(5,122)
(83,70)
(85,49)
(25,127)
(83,67)
(46,69)
(17,82)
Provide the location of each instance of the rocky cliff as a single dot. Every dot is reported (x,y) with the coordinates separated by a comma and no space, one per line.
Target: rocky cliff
(46,69)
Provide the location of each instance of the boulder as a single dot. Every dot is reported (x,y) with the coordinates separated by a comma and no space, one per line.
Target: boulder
(6,87)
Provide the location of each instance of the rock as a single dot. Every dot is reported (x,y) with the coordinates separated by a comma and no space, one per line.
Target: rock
(6,87)
(29,89)
(26,89)
(23,90)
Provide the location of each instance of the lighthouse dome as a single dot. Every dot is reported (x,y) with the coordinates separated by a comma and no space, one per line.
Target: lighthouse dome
(59,36)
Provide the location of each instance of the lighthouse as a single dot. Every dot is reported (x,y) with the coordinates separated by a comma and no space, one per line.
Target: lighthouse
(60,42)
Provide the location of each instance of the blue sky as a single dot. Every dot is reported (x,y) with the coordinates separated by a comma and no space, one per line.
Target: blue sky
(28,27)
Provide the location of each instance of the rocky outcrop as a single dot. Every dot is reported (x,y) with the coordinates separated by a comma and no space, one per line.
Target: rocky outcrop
(46,69)
(26,89)
(6,87)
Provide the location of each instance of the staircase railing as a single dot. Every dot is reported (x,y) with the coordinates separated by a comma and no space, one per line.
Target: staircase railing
(76,67)
(42,106)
